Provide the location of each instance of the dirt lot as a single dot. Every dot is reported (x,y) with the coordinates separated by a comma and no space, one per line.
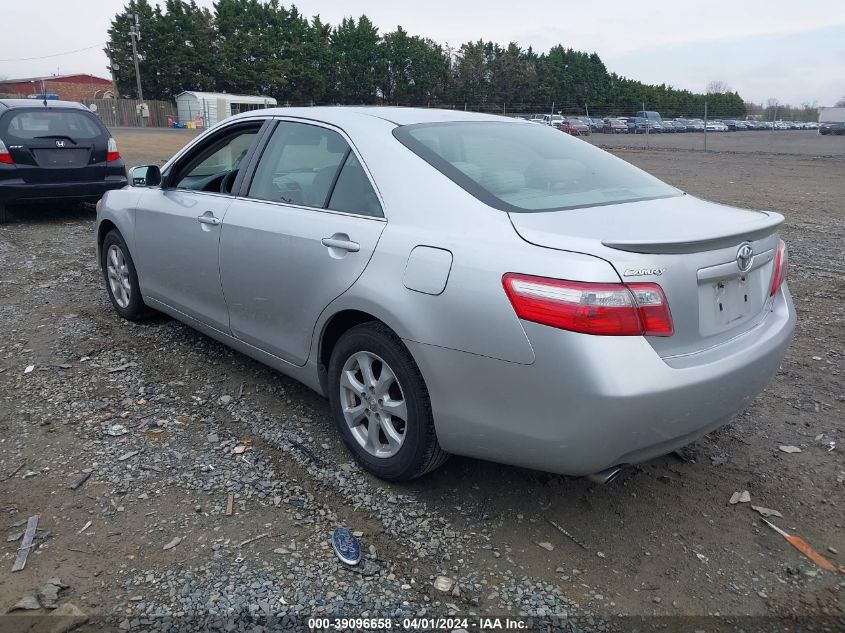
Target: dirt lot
(660,540)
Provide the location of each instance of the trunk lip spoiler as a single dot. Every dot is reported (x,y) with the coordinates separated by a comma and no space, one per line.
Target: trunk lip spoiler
(707,242)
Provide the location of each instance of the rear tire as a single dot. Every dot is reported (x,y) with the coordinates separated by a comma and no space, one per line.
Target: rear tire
(121,279)
(3,217)
(364,360)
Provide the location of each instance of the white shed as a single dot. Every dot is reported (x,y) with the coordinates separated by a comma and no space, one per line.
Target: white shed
(212,107)
(831,115)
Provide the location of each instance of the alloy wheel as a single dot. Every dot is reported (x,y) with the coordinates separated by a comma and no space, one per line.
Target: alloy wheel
(373,404)
(118,276)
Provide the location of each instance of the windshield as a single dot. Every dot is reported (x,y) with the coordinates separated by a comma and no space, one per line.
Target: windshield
(527,168)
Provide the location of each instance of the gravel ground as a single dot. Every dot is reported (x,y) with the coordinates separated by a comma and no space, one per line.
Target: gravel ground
(203,422)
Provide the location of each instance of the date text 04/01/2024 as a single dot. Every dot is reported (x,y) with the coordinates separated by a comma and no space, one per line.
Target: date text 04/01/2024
(416,624)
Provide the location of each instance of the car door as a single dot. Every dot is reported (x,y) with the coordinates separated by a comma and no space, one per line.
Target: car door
(178,226)
(302,232)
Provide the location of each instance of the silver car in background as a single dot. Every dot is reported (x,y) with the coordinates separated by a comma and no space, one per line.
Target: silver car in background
(458,283)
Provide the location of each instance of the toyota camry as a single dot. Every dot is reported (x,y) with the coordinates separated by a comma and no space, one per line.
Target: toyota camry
(458,283)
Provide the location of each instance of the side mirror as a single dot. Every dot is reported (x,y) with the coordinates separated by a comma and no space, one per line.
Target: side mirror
(145,176)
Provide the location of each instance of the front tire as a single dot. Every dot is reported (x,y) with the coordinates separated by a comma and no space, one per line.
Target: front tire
(121,278)
(381,405)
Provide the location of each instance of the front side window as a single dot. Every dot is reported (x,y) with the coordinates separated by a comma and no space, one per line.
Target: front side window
(215,168)
(529,168)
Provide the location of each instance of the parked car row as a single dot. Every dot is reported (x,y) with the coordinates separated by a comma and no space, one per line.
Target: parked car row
(651,122)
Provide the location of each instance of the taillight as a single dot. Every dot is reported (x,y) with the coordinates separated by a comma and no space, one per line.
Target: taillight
(112,154)
(781,268)
(609,309)
(5,156)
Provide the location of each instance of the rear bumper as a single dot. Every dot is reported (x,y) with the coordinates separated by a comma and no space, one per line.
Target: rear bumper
(19,191)
(590,402)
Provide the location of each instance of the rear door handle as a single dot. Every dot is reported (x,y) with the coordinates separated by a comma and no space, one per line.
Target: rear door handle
(207,218)
(344,245)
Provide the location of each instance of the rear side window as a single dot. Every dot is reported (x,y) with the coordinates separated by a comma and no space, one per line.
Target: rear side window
(353,192)
(521,168)
(30,124)
(313,166)
(299,165)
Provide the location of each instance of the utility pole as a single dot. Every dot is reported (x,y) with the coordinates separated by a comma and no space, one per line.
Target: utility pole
(135,32)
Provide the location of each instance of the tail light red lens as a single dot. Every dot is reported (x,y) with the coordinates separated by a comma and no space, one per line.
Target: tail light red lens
(638,309)
(112,154)
(5,156)
(781,268)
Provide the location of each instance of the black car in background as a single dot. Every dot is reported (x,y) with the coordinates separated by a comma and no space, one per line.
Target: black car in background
(57,151)
(832,129)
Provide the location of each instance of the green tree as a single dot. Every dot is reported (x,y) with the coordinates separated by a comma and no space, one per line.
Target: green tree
(313,63)
(253,48)
(185,37)
(357,61)
(263,47)
(415,70)
(470,75)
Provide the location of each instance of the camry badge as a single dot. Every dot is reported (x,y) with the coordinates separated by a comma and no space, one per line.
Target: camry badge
(642,272)
(745,257)
(346,546)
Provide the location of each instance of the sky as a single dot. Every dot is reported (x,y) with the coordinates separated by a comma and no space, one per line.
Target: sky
(763,49)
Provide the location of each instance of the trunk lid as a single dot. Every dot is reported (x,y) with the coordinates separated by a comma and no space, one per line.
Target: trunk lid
(688,246)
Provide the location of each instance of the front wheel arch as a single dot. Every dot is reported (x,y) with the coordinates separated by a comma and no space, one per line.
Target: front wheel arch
(105,227)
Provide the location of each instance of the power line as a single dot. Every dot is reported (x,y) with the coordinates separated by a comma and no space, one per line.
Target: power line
(29,59)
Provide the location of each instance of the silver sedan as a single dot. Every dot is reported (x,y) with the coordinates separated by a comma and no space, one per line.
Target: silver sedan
(458,283)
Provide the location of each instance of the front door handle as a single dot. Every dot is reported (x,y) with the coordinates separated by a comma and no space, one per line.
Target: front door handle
(208,218)
(341,244)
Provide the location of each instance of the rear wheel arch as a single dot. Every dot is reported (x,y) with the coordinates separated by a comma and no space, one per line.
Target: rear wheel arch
(335,327)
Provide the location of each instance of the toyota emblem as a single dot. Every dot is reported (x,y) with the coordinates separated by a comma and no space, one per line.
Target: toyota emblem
(745,257)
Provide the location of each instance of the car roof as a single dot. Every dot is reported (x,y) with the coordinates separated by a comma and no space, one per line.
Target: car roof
(11,104)
(338,115)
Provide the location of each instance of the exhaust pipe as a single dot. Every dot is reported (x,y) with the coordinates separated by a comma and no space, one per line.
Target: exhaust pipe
(605,476)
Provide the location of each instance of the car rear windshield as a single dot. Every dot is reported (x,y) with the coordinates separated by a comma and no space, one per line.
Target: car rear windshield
(30,124)
(517,167)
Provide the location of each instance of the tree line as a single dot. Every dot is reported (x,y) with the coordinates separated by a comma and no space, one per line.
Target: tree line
(264,47)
